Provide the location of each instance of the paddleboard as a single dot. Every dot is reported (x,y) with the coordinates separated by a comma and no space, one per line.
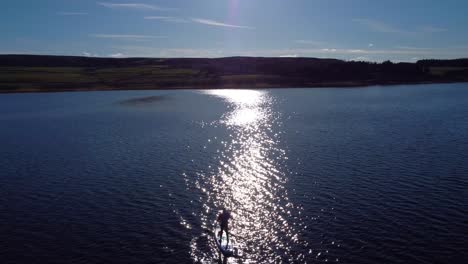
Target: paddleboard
(228,250)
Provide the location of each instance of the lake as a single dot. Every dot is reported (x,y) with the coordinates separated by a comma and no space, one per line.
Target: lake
(361,175)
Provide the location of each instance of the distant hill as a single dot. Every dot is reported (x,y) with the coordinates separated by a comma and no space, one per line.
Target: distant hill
(23,73)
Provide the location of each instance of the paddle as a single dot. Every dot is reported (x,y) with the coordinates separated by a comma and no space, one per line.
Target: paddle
(210,232)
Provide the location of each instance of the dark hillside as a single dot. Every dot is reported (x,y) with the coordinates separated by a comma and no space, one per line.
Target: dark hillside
(60,73)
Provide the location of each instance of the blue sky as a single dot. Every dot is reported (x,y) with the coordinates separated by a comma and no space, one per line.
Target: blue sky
(346,29)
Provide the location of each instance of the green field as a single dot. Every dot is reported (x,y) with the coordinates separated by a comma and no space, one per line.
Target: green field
(25,78)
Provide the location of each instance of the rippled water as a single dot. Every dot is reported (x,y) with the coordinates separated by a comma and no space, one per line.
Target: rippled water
(372,175)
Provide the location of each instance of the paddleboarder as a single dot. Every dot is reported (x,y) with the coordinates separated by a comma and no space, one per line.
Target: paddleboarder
(223,219)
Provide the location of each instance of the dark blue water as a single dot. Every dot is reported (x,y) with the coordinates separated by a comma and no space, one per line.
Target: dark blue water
(366,175)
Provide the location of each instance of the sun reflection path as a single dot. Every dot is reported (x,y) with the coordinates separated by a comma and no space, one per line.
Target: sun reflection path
(250,179)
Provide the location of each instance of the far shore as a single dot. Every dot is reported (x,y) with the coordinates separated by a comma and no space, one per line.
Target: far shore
(318,85)
(41,73)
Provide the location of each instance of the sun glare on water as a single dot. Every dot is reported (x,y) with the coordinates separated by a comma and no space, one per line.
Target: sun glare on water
(248,107)
(249,179)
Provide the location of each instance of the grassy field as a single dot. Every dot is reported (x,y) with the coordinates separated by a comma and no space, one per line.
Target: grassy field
(145,77)
(27,78)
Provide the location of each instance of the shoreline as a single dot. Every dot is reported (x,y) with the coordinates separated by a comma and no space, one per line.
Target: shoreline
(328,85)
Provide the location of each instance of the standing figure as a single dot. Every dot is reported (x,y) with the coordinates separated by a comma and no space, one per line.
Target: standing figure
(223,219)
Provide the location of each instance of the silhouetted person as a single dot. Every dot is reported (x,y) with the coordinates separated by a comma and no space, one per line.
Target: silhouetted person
(223,219)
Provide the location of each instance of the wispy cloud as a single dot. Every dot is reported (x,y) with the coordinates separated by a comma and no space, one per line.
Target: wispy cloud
(413,48)
(72,13)
(372,51)
(174,52)
(309,42)
(378,26)
(149,51)
(116,55)
(368,54)
(203,21)
(432,29)
(360,58)
(289,56)
(167,19)
(127,37)
(139,6)
(89,54)
(370,45)
(381,27)
(217,23)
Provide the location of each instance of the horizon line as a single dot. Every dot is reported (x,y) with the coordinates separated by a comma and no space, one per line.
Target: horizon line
(225,57)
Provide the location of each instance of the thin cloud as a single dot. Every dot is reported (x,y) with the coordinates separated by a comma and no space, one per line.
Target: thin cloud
(138,6)
(128,37)
(356,51)
(413,48)
(72,13)
(431,29)
(328,50)
(350,52)
(370,45)
(217,23)
(289,56)
(463,47)
(167,19)
(309,42)
(360,58)
(149,51)
(203,21)
(381,27)
(378,26)
(89,54)
(116,55)
(394,54)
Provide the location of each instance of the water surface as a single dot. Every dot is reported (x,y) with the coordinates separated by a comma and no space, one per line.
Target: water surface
(368,175)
